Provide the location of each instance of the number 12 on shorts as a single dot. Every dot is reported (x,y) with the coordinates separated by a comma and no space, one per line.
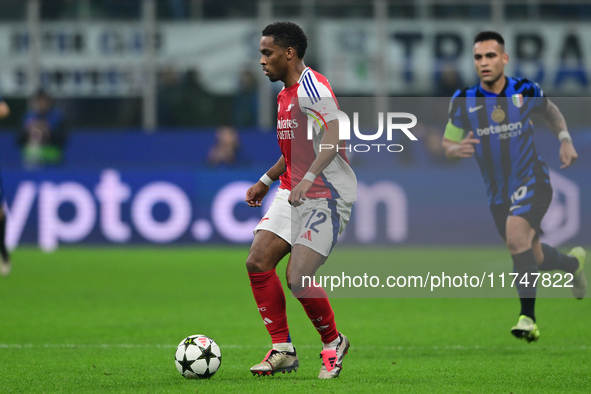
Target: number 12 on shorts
(321,218)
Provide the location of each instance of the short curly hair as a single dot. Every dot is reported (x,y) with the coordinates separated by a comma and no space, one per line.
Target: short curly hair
(288,34)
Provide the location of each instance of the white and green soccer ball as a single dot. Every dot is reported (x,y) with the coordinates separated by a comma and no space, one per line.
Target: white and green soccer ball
(198,357)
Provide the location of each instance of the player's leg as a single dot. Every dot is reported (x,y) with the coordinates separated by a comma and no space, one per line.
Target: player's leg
(322,221)
(270,245)
(519,243)
(520,236)
(5,265)
(529,205)
(266,251)
(303,264)
(552,259)
(579,278)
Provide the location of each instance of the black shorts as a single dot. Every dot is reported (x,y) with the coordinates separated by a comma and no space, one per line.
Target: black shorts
(529,202)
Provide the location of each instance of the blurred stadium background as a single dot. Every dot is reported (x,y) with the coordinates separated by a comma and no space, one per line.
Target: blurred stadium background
(145,86)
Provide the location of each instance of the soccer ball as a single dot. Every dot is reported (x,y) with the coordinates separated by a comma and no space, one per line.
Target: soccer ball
(198,357)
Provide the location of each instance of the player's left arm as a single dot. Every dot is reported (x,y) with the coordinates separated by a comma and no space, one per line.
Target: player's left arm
(557,124)
(258,191)
(329,143)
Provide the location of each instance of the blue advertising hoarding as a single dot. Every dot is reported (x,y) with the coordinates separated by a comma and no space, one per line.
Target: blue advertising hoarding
(113,206)
(133,188)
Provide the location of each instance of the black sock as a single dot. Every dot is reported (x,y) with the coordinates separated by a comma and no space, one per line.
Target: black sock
(556,260)
(525,265)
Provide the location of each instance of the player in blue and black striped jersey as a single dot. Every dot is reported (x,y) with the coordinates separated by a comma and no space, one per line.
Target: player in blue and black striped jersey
(491,121)
(5,265)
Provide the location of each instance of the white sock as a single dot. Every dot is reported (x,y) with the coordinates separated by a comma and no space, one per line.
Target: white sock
(283,347)
(332,345)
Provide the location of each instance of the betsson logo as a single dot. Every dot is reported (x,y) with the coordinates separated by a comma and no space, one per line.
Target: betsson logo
(499,128)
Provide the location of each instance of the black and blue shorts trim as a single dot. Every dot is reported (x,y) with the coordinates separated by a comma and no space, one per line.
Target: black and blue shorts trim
(529,202)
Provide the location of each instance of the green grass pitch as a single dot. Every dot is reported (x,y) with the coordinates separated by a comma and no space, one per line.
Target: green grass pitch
(109,320)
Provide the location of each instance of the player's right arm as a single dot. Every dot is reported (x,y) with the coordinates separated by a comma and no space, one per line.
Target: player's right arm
(258,191)
(455,145)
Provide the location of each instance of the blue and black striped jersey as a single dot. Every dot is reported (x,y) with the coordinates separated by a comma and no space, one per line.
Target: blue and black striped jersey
(506,154)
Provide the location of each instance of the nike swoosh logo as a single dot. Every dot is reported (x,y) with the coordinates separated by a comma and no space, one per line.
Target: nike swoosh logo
(474,109)
(514,207)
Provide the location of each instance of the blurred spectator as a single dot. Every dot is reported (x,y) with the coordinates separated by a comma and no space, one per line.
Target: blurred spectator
(229,8)
(183,101)
(464,11)
(226,147)
(123,9)
(76,9)
(169,97)
(448,80)
(246,100)
(51,9)
(43,132)
(574,11)
(197,105)
(11,10)
(70,9)
(172,9)
(132,9)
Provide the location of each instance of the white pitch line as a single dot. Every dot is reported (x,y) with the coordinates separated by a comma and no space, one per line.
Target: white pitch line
(145,346)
